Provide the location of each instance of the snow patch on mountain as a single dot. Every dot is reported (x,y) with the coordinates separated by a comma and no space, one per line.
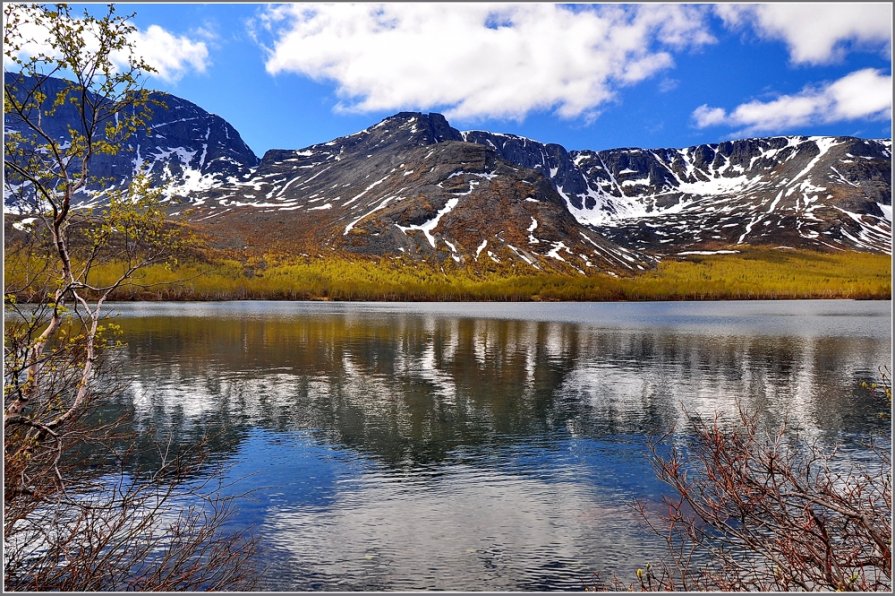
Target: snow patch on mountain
(427,227)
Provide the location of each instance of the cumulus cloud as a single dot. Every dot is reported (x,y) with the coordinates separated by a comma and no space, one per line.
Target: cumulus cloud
(706,116)
(815,33)
(863,94)
(477,60)
(171,55)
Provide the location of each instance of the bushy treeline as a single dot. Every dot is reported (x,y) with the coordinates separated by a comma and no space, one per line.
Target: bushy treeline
(755,274)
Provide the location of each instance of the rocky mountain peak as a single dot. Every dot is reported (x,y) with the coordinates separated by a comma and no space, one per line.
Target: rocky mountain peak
(432,127)
(184,149)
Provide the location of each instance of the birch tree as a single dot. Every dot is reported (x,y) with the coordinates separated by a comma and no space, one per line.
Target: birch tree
(55,346)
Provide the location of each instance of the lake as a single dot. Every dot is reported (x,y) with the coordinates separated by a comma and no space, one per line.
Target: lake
(478,446)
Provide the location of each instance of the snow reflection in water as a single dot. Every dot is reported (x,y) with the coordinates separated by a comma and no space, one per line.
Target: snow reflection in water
(494,447)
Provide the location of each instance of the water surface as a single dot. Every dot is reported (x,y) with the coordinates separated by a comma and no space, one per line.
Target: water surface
(479,446)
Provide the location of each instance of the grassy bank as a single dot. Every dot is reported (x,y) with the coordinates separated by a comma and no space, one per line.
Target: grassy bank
(755,274)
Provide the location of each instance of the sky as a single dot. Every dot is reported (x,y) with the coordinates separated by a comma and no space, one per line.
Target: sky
(586,76)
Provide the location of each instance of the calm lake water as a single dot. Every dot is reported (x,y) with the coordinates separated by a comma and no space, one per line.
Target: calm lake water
(478,446)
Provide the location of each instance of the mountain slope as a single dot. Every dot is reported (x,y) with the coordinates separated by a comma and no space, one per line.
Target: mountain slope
(814,192)
(412,180)
(409,186)
(185,148)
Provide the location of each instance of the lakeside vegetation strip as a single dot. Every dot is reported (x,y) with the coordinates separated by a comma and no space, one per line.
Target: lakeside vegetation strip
(755,274)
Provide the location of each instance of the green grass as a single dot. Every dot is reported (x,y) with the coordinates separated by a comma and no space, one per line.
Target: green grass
(755,274)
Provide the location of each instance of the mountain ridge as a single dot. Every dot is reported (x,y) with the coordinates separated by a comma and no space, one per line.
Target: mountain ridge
(705,193)
(184,148)
(412,186)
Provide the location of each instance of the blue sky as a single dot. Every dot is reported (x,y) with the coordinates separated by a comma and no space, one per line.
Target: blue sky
(586,76)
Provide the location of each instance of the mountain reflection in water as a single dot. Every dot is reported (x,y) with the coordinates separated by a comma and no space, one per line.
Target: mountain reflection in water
(494,447)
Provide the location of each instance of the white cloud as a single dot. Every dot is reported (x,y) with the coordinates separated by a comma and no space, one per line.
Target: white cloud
(171,55)
(863,94)
(706,116)
(668,85)
(815,33)
(477,60)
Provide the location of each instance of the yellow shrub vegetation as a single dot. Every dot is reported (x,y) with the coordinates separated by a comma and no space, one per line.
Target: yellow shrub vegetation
(754,274)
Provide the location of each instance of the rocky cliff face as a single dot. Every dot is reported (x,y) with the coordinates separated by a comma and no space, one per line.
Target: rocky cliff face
(184,149)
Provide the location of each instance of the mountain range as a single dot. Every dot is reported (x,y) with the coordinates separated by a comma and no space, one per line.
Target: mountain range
(414,187)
